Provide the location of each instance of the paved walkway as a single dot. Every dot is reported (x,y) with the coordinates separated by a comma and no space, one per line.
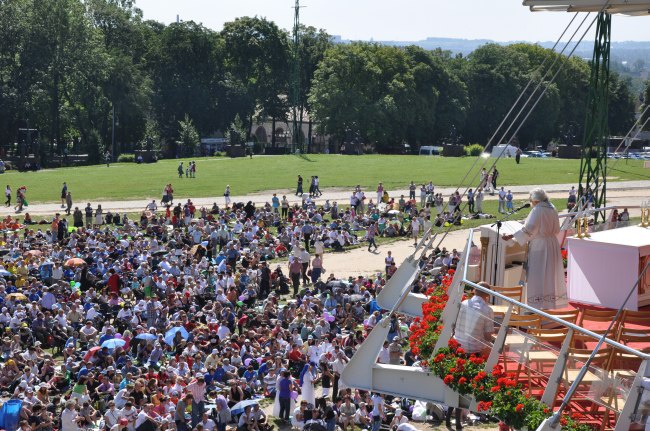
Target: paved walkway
(641,189)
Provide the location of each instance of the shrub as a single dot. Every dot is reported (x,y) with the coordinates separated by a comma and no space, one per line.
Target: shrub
(474,150)
(126,158)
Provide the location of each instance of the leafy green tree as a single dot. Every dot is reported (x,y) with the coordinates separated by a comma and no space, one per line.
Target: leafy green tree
(256,56)
(622,105)
(63,65)
(389,95)
(127,85)
(188,137)
(185,64)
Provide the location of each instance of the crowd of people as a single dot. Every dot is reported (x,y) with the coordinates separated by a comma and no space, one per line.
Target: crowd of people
(184,319)
(189,318)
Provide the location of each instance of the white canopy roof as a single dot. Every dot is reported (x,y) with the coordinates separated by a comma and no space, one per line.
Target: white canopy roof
(625,7)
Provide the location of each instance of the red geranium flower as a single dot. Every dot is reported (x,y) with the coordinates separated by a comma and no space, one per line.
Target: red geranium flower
(519,407)
(448,379)
(462,381)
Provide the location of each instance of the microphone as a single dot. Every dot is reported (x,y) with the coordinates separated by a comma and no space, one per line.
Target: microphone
(527,205)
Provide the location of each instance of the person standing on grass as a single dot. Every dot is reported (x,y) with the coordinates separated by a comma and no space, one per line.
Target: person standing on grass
(180,170)
(275,202)
(423,195)
(316,268)
(20,198)
(77,218)
(68,203)
(295,268)
(89,215)
(285,206)
(99,216)
(299,186)
(305,258)
(307,231)
(370,234)
(8,196)
(412,188)
(389,260)
(470,201)
(495,176)
(380,192)
(226,195)
(479,200)
(317,186)
(311,186)
(64,194)
(415,229)
(509,206)
(502,201)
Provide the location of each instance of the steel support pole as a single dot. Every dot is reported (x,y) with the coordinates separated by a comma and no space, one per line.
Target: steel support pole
(593,164)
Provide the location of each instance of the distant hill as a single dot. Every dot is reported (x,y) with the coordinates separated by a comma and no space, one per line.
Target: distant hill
(622,52)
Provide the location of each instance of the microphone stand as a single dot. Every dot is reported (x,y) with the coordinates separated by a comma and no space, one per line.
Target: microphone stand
(498,224)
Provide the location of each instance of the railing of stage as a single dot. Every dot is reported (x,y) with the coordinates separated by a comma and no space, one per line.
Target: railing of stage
(547,351)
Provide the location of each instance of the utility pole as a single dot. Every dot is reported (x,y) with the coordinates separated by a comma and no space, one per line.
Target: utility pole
(113,136)
(295,100)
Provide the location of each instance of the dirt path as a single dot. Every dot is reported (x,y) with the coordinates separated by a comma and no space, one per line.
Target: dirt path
(361,262)
(634,188)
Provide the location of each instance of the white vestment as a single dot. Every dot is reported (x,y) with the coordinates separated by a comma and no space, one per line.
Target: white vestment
(545,282)
(308,393)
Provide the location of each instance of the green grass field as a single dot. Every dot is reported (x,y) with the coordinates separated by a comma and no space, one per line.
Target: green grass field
(131,181)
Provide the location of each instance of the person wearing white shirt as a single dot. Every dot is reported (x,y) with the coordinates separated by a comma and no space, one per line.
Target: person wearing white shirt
(502,200)
(223,331)
(384,354)
(362,417)
(48,299)
(399,418)
(130,414)
(143,417)
(377,411)
(475,323)
(245,419)
(197,235)
(57,272)
(208,424)
(112,415)
(415,229)
(69,418)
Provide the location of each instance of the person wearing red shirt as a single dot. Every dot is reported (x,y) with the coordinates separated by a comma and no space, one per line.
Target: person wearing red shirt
(113,283)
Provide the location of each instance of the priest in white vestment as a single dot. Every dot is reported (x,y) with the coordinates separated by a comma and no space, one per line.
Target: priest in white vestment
(545,282)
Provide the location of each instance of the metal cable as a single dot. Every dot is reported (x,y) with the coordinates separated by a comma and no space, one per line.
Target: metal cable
(530,81)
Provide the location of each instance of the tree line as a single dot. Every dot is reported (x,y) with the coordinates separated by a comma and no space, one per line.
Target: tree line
(70,69)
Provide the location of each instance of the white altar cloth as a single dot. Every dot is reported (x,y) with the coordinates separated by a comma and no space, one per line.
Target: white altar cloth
(602,269)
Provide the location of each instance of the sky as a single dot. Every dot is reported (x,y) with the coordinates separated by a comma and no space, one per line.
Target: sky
(405,20)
